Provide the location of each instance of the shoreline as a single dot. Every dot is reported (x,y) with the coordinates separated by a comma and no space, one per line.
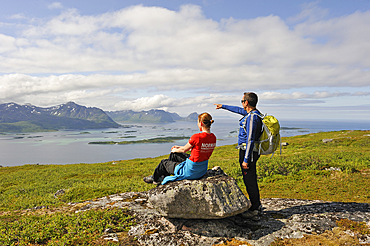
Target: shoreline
(69,147)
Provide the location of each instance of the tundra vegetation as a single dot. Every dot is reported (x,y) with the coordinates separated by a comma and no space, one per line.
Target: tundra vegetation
(337,169)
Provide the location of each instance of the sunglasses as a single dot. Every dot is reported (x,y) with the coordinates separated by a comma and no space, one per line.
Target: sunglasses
(243,101)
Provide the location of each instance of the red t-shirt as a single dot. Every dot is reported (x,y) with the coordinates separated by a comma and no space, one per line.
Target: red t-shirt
(203,146)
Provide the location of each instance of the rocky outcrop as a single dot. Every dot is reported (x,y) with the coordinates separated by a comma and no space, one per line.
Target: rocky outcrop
(282,218)
(210,198)
(207,212)
(291,219)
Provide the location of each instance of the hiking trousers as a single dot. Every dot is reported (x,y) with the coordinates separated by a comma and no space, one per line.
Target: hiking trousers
(167,166)
(250,179)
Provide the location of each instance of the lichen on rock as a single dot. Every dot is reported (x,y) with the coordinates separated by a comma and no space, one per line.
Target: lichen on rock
(210,198)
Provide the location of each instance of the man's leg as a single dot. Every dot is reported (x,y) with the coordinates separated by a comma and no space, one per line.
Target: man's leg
(250,180)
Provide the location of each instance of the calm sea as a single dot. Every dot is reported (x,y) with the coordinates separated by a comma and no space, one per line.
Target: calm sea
(69,147)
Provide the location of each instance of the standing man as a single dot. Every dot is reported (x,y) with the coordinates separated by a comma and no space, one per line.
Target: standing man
(249,133)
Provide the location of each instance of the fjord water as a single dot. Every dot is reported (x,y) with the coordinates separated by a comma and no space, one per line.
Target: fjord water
(69,147)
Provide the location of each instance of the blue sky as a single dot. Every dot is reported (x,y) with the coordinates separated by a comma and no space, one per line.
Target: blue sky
(307,60)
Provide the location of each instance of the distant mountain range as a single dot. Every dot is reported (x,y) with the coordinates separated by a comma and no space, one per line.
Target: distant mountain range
(152,116)
(29,118)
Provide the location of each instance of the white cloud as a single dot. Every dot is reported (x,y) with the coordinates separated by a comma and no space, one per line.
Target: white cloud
(301,95)
(151,38)
(19,16)
(146,103)
(88,57)
(161,101)
(55,5)
(7,43)
(310,12)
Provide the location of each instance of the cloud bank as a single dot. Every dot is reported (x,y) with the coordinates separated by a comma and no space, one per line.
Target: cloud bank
(107,58)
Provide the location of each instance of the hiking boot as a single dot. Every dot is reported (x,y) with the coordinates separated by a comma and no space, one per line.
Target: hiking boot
(260,209)
(148,179)
(251,214)
(159,181)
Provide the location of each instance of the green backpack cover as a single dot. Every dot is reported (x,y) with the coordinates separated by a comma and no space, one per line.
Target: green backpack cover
(269,140)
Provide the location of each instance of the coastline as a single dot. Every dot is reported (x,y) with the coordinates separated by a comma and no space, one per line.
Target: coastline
(72,147)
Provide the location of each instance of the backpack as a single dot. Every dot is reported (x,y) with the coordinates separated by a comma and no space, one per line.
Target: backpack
(270,136)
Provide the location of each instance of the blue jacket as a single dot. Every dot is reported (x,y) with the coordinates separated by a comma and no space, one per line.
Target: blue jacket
(188,170)
(253,126)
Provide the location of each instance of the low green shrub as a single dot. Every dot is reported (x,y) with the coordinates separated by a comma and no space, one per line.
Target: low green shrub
(65,228)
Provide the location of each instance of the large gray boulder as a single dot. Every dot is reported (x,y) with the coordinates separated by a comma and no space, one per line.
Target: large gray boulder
(208,198)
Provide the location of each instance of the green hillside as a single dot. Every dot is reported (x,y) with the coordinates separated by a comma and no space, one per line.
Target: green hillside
(305,161)
(337,169)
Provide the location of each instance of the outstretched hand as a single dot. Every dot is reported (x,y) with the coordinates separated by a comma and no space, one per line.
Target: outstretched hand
(218,106)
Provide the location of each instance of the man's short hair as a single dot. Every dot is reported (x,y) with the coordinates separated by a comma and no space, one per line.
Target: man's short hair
(252,98)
